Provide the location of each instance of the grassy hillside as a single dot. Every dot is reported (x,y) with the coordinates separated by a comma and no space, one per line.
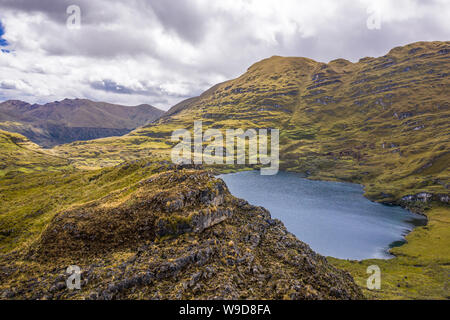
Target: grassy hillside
(382,121)
(20,155)
(29,201)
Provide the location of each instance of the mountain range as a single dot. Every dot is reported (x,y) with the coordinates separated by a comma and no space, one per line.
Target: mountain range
(72,119)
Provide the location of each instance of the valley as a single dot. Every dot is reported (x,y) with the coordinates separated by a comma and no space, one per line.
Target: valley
(380,122)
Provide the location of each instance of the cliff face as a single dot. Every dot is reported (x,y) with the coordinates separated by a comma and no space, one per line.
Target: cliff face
(179,235)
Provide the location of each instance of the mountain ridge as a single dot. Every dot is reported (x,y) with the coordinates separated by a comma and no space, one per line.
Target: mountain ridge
(73,119)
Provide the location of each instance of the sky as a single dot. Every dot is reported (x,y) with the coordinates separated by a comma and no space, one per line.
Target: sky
(161,52)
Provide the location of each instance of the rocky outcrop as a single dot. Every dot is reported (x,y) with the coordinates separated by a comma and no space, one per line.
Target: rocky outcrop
(421,197)
(178,235)
(168,204)
(424,197)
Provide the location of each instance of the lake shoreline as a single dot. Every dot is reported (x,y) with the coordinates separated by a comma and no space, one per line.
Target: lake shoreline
(423,256)
(355,215)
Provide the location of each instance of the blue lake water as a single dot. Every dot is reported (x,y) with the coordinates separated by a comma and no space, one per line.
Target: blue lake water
(334,218)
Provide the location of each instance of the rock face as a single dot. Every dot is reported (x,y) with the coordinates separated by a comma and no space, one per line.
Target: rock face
(423,198)
(178,235)
(169,204)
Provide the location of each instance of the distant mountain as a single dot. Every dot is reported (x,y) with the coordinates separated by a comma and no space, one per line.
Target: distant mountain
(72,120)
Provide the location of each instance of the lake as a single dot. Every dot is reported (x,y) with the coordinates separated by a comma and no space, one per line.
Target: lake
(334,218)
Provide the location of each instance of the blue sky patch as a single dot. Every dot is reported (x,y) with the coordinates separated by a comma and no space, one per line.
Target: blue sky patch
(3,42)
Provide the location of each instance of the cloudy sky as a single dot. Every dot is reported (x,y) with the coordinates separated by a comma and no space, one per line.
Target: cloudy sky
(163,51)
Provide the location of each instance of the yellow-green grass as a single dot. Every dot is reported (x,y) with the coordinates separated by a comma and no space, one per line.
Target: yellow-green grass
(29,201)
(19,155)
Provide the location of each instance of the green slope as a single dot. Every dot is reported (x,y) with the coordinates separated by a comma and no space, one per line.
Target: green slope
(19,155)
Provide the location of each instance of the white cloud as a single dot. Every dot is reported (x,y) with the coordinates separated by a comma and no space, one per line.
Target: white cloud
(160,52)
